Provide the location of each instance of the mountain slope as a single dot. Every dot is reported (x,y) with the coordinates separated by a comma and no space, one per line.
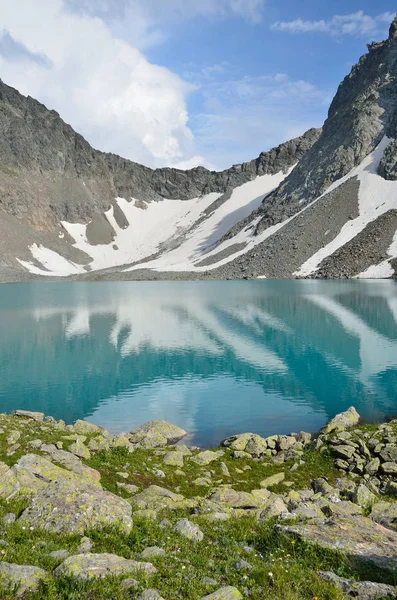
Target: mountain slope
(323,205)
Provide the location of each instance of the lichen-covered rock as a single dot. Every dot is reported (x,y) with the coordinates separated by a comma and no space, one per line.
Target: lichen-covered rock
(73,509)
(275,507)
(385,513)
(72,463)
(150,595)
(225,593)
(173,459)
(233,499)
(273,480)
(364,590)
(85,427)
(157,498)
(252,443)
(128,487)
(189,530)
(30,415)
(90,566)
(156,434)
(21,578)
(152,551)
(207,457)
(80,450)
(363,496)
(342,421)
(358,537)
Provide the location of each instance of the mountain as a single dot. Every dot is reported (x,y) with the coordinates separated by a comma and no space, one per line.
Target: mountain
(322,205)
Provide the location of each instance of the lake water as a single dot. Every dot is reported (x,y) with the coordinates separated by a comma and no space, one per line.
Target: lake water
(216,358)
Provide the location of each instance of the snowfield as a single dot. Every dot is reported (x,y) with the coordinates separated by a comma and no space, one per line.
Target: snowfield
(177,235)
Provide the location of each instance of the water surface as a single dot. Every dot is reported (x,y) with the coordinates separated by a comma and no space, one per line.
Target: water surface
(216,358)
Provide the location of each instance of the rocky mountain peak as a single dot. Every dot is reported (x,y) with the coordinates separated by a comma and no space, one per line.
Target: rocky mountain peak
(393,30)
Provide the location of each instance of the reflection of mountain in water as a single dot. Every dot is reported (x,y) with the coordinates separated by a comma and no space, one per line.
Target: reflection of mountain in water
(214,357)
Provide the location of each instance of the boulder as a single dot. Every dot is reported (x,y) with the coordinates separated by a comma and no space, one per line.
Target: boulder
(150,595)
(189,530)
(72,463)
(273,480)
(92,566)
(151,552)
(157,498)
(21,578)
(233,499)
(365,590)
(252,443)
(385,513)
(342,421)
(85,427)
(225,593)
(27,414)
(75,508)
(173,459)
(156,434)
(356,536)
(80,450)
(207,457)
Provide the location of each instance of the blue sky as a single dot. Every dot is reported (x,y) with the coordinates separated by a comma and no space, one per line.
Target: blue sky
(173,82)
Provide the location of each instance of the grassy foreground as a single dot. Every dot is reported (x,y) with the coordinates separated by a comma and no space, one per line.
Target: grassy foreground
(244,552)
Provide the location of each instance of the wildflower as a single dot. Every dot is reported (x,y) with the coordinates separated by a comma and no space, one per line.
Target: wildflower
(293,542)
(270,574)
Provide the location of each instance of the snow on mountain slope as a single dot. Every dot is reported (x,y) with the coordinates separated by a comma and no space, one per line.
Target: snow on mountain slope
(167,228)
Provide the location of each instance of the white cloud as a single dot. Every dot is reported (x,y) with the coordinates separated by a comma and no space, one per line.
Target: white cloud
(357,23)
(244,116)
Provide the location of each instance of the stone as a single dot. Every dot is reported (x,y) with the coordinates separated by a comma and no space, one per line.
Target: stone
(165,524)
(79,449)
(35,444)
(207,457)
(343,451)
(73,509)
(13,437)
(225,471)
(156,434)
(364,590)
(356,536)
(372,467)
(225,593)
(27,414)
(251,443)
(91,566)
(202,481)
(157,498)
(242,565)
(85,427)
(285,442)
(363,497)
(128,487)
(122,475)
(275,508)
(98,444)
(189,530)
(385,513)
(85,545)
(150,595)
(21,578)
(272,480)
(342,421)
(390,468)
(72,463)
(151,552)
(240,455)
(129,584)
(209,581)
(391,488)
(234,499)
(173,459)
(8,519)
(59,554)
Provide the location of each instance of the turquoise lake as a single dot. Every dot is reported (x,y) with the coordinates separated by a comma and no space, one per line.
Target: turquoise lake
(216,358)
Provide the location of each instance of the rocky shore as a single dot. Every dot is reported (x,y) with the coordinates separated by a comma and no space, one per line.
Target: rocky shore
(87,514)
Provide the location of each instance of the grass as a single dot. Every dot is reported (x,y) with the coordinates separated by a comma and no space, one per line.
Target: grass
(282,569)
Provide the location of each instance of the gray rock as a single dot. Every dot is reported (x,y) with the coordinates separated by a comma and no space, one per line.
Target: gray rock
(385,513)
(22,578)
(151,552)
(85,545)
(128,487)
(207,457)
(273,480)
(209,581)
(174,459)
(129,584)
(156,434)
(189,530)
(225,593)
(342,421)
(9,519)
(59,554)
(79,449)
(91,566)
(150,595)
(363,496)
(85,427)
(364,590)
(225,471)
(242,565)
(28,414)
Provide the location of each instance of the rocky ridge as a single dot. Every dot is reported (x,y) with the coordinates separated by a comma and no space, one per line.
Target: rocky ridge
(83,506)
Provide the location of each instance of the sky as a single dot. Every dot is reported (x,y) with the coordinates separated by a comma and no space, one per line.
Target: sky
(186,82)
